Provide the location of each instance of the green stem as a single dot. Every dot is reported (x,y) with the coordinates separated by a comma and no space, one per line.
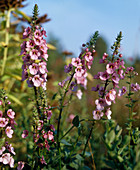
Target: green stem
(59,119)
(6,40)
(90,133)
(36,98)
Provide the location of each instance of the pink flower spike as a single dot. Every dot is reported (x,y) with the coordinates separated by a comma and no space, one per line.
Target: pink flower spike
(97,114)
(108,113)
(9,132)
(11,113)
(25,133)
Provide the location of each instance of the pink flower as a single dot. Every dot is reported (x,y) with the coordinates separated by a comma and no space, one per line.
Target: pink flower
(115,78)
(104,76)
(50,135)
(42,67)
(33,69)
(0,102)
(95,88)
(42,160)
(49,114)
(40,125)
(88,56)
(107,99)
(34,54)
(122,91)
(135,87)
(11,163)
(5,159)
(9,132)
(26,33)
(76,62)
(29,44)
(68,68)
(37,34)
(52,127)
(108,113)
(11,113)
(2,150)
(112,94)
(36,80)
(38,41)
(20,165)
(110,68)
(3,122)
(79,94)
(79,71)
(25,133)
(100,103)
(97,114)
(10,148)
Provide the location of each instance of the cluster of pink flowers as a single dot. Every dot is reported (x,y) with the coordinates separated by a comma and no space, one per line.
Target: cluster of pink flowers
(7,123)
(114,73)
(35,57)
(79,65)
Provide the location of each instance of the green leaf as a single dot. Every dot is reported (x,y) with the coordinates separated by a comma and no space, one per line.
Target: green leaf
(111,136)
(75,121)
(128,105)
(54,96)
(15,99)
(65,142)
(120,158)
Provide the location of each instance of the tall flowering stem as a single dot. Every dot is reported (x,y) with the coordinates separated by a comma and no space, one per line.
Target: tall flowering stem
(112,75)
(78,77)
(35,57)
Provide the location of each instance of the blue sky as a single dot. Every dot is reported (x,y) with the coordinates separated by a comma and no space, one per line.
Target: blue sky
(74,21)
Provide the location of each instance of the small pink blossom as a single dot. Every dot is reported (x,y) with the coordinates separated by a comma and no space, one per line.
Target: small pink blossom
(11,113)
(79,94)
(20,165)
(34,54)
(36,80)
(104,76)
(97,114)
(110,68)
(5,159)
(76,62)
(49,114)
(2,150)
(122,91)
(100,103)
(42,160)
(3,122)
(0,102)
(135,87)
(108,113)
(9,132)
(33,69)
(40,125)
(50,135)
(115,78)
(68,68)
(42,67)
(25,133)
